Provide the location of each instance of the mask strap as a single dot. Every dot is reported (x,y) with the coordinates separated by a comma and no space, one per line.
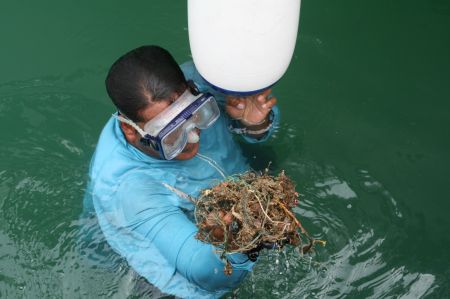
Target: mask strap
(193,88)
(131,123)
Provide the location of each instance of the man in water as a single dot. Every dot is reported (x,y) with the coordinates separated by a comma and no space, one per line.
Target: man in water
(170,139)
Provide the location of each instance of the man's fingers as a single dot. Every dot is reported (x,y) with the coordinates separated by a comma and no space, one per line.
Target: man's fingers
(237,103)
(232,101)
(263,97)
(270,103)
(235,108)
(266,92)
(233,111)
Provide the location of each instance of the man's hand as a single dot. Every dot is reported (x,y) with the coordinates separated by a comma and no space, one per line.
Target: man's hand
(214,223)
(254,253)
(251,110)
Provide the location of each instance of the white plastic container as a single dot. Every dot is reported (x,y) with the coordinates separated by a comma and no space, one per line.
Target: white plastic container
(242,46)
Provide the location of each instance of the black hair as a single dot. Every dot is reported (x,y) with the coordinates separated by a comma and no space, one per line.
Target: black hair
(143,75)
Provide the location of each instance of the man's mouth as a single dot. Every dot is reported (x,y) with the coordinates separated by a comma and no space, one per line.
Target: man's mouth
(189,147)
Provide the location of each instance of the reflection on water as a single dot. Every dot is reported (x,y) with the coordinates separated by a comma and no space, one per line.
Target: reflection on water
(335,187)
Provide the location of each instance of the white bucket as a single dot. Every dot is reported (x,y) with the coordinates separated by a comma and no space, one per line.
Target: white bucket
(242,46)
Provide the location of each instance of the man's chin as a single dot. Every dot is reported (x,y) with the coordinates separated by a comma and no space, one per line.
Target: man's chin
(188,152)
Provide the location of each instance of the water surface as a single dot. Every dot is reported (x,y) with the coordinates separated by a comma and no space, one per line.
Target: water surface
(364,133)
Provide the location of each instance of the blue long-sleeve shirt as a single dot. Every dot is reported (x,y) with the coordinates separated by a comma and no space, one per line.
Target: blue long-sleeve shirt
(148,224)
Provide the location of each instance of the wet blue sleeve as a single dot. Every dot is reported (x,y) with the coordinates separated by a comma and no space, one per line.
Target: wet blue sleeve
(151,212)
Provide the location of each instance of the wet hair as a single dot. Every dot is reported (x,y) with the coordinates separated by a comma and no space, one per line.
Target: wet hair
(144,75)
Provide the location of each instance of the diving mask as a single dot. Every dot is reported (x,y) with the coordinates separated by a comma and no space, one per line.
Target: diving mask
(170,131)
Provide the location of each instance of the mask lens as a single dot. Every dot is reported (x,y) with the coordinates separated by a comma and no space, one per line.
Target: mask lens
(173,125)
(206,115)
(174,142)
(174,137)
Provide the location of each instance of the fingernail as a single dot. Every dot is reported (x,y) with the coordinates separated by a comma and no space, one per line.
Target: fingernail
(240,106)
(264,106)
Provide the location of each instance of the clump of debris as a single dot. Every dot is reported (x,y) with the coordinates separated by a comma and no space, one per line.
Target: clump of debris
(250,209)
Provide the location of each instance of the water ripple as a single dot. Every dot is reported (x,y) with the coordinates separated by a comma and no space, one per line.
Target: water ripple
(50,253)
(356,262)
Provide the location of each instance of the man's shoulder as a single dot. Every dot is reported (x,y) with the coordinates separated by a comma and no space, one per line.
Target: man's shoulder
(107,146)
(190,71)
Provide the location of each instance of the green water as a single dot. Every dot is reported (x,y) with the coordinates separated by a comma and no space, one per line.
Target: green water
(364,133)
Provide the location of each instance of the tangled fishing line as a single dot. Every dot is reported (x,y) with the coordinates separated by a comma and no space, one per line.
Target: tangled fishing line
(244,211)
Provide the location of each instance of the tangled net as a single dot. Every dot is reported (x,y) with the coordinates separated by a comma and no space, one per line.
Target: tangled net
(244,211)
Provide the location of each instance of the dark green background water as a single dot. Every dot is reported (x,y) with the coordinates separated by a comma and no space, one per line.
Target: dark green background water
(364,133)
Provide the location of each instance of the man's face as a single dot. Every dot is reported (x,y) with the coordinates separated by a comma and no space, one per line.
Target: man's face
(148,113)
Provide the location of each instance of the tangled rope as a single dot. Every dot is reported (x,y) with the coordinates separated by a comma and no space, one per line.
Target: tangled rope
(249,209)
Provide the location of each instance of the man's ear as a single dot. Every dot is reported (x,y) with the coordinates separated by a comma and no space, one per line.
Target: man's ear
(131,135)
